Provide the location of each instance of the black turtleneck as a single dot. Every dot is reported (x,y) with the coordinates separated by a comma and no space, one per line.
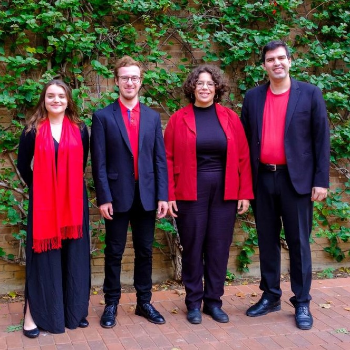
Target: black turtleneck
(211,140)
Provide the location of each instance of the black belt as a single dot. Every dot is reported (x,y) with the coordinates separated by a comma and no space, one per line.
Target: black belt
(272,167)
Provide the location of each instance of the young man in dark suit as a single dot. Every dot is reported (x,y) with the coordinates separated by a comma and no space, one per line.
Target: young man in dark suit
(130,175)
(288,133)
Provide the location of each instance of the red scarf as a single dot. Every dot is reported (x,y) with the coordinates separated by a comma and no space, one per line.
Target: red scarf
(57,193)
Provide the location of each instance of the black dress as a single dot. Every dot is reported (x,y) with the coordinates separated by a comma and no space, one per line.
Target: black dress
(57,281)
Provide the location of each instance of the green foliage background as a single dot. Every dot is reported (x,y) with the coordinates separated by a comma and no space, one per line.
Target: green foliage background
(79,41)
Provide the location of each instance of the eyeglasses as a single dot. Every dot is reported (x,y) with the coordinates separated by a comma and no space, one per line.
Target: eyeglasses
(200,84)
(134,79)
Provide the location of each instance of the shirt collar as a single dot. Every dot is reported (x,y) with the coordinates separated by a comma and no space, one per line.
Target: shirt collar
(124,109)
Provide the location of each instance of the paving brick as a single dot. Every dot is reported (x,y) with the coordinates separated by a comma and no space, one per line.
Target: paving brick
(252,344)
(64,347)
(273,331)
(268,343)
(62,338)
(130,343)
(81,346)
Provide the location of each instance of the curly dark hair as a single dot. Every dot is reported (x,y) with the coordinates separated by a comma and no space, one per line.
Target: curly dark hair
(219,79)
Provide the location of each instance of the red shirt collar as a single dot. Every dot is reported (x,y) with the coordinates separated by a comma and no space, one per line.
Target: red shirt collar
(124,109)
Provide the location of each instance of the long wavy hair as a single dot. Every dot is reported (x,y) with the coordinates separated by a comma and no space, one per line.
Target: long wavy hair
(221,85)
(40,112)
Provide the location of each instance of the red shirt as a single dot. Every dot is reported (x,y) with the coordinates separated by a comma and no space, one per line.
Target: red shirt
(131,119)
(274,120)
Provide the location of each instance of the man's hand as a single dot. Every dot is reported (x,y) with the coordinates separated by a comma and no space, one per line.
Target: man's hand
(106,211)
(162,209)
(243,206)
(318,194)
(172,208)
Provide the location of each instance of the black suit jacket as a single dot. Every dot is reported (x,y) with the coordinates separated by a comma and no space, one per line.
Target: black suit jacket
(306,136)
(113,164)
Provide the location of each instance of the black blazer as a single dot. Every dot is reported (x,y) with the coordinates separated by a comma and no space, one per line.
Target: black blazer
(113,164)
(306,136)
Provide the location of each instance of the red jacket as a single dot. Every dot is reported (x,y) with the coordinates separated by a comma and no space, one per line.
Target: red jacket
(180,146)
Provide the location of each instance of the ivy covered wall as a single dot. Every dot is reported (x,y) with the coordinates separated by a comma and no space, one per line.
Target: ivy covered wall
(79,41)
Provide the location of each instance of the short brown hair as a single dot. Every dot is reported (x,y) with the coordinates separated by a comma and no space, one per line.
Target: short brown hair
(127,61)
(221,85)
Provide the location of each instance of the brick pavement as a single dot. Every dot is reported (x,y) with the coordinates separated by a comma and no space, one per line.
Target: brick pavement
(273,331)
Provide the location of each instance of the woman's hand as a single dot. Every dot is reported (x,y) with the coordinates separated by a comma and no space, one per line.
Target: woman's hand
(172,208)
(243,206)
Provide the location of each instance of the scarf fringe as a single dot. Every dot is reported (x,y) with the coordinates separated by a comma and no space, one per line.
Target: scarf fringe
(72,232)
(43,245)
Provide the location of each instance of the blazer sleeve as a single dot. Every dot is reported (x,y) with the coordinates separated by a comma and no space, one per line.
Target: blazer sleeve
(321,140)
(169,149)
(25,155)
(98,161)
(245,171)
(160,163)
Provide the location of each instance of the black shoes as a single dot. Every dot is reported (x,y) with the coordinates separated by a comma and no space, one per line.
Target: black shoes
(149,312)
(83,323)
(32,333)
(108,316)
(216,313)
(303,317)
(194,316)
(263,307)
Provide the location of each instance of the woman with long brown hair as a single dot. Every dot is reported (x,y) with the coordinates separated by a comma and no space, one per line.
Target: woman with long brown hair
(52,157)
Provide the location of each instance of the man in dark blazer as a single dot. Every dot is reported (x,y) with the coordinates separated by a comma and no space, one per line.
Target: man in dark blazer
(288,133)
(130,175)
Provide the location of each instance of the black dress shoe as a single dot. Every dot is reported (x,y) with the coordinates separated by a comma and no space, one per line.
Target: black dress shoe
(194,316)
(32,333)
(303,317)
(83,323)
(263,307)
(149,312)
(216,313)
(108,316)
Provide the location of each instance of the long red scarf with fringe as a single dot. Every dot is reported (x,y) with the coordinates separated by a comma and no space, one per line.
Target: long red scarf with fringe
(57,191)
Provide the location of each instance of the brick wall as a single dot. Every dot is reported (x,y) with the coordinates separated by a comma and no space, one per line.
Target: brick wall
(12,275)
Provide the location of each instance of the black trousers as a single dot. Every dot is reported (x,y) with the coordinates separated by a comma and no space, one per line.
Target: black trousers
(142,224)
(58,280)
(277,202)
(206,229)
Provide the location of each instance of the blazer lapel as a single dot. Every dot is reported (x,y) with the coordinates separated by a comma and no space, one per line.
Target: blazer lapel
(143,126)
(223,117)
(117,113)
(292,103)
(189,118)
(260,108)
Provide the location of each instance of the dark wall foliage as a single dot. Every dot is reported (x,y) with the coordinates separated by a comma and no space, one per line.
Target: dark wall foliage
(79,40)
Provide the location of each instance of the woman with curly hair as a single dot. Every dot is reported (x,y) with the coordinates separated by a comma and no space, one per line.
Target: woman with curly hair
(209,181)
(52,156)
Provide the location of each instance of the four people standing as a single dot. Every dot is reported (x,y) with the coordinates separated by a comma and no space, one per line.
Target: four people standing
(52,156)
(288,134)
(130,175)
(209,181)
